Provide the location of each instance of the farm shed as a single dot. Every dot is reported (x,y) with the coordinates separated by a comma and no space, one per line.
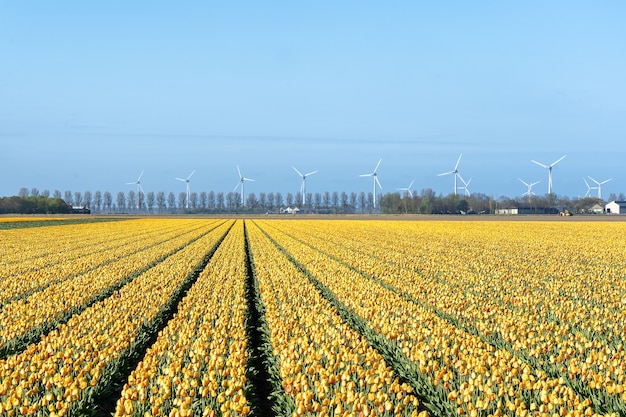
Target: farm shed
(616,207)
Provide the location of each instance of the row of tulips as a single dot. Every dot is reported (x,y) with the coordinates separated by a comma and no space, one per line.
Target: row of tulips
(95,245)
(478,377)
(553,329)
(21,323)
(326,367)
(197,365)
(73,364)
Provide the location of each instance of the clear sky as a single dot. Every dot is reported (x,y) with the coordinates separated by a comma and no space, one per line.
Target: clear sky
(94,93)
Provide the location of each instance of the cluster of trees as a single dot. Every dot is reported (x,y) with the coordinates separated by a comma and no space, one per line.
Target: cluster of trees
(33,205)
(426,202)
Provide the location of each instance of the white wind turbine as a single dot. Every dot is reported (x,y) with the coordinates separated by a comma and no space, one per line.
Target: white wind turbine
(465,185)
(599,186)
(187,181)
(138,182)
(242,179)
(589,188)
(303,183)
(408,189)
(529,192)
(549,168)
(455,172)
(376,182)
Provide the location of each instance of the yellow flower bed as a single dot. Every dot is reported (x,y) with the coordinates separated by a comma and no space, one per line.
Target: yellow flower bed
(325,366)
(54,254)
(441,266)
(200,357)
(20,317)
(57,375)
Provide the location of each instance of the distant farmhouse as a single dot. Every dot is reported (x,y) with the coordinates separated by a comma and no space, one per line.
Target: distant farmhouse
(528,210)
(615,207)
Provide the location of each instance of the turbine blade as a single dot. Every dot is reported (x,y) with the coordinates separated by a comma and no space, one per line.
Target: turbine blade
(523,182)
(238,171)
(378,182)
(366,175)
(457,162)
(140,175)
(557,161)
(194,171)
(539,163)
(445,173)
(180,179)
(297,171)
(379,161)
(310,173)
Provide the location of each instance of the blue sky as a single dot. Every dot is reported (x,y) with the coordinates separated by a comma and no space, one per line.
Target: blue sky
(93,93)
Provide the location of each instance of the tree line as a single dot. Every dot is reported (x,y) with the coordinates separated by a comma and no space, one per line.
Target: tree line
(425,202)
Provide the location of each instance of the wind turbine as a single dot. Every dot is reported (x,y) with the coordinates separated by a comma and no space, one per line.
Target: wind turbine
(138,182)
(589,188)
(529,193)
(549,168)
(408,189)
(375,175)
(455,172)
(187,181)
(599,186)
(241,181)
(303,184)
(465,185)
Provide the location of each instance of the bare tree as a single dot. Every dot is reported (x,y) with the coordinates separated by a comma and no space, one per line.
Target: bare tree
(97,201)
(23,192)
(131,200)
(362,202)
(78,199)
(203,200)
(57,194)
(45,193)
(278,200)
(326,199)
(353,200)
(318,200)
(271,201)
(68,198)
(160,201)
(87,199)
(150,200)
(289,199)
(211,200)
(121,201)
(107,200)
(182,199)
(193,200)
(262,200)
(171,202)
(220,201)
(34,192)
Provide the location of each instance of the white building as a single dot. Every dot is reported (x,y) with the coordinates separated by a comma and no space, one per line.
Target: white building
(615,207)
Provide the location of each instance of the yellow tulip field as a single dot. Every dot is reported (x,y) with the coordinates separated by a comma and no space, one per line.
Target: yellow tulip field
(297,316)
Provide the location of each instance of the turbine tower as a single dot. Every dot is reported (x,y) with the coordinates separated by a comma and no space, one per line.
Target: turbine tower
(376,182)
(599,186)
(408,189)
(454,172)
(187,181)
(303,183)
(529,192)
(242,179)
(138,182)
(549,168)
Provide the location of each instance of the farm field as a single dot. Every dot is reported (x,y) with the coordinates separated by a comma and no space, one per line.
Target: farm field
(237,317)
